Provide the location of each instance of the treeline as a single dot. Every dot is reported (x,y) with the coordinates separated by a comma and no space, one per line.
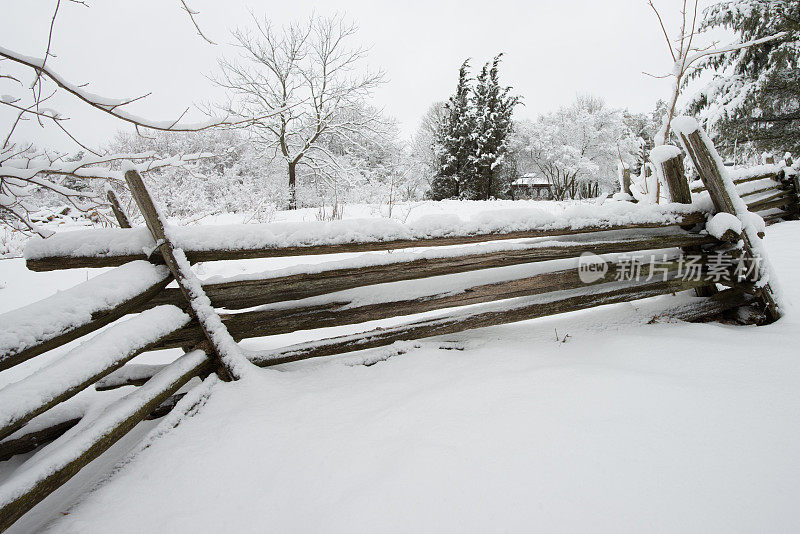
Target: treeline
(242,177)
(325,146)
(473,149)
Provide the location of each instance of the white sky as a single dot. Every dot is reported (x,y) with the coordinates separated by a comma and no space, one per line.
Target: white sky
(554,50)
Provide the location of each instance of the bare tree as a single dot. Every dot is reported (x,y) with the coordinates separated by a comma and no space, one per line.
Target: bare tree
(309,76)
(685,54)
(423,144)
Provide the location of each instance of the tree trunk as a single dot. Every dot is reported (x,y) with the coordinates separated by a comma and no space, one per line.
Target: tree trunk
(292,189)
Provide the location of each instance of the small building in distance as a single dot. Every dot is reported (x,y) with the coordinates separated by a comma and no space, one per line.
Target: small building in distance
(531,186)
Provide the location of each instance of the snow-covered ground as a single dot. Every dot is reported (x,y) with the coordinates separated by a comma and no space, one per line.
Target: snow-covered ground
(589,421)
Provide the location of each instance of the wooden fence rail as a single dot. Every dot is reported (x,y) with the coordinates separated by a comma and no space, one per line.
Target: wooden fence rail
(458,323)
(77,259)
(775,194)
(23,491)
(100,317)
(698,309)
(248,293)
(253,292)
(769,175)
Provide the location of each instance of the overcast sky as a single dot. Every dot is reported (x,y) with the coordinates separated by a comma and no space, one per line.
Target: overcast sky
(554,50)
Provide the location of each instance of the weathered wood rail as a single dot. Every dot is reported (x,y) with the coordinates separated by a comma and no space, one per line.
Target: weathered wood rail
(772,193)
(473,279)
(99,318)
(77,259)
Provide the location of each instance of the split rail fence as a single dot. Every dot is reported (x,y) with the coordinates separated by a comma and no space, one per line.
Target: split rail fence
(768,190)
(164,317)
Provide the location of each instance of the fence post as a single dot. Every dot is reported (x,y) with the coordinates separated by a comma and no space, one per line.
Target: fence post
(726,199)
(119,213)
(672,171)
(626,182)
(791,183)
(192,293)
(675,178)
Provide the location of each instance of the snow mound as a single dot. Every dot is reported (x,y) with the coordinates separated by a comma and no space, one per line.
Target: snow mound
(663,153)
(721,223)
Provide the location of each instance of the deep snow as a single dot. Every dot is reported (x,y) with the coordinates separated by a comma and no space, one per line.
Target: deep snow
(590,421)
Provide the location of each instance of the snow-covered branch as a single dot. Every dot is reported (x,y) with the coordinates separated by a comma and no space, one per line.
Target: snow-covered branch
(686,54)
(22,175)
(29,84)
(27,98)
(114,106)
(733,47)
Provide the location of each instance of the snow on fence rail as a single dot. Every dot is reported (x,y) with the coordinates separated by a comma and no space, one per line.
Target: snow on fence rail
(84,365)
(506,266)
(70,314)
(117,246)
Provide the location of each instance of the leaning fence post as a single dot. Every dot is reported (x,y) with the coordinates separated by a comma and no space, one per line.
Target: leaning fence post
(726,199)
(192,292)
(669,167)
(674,176)
(119,213)
(626,182)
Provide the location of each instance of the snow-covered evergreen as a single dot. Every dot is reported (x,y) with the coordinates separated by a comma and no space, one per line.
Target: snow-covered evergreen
(494,106)
(473,137)
(753,99)
(453,141)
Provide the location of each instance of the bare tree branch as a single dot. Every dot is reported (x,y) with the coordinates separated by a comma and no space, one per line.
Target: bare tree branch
(23,171)
(687,55)
(191,14)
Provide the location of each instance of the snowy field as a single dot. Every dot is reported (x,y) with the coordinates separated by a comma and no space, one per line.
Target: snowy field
(593,421)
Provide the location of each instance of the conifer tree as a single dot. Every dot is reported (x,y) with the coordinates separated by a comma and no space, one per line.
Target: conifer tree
(454,141)
(754,97)
(493,126)
(473,138)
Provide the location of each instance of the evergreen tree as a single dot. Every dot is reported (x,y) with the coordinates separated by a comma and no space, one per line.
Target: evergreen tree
(493,109)
(754,97)
(472,141)
(454,141)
